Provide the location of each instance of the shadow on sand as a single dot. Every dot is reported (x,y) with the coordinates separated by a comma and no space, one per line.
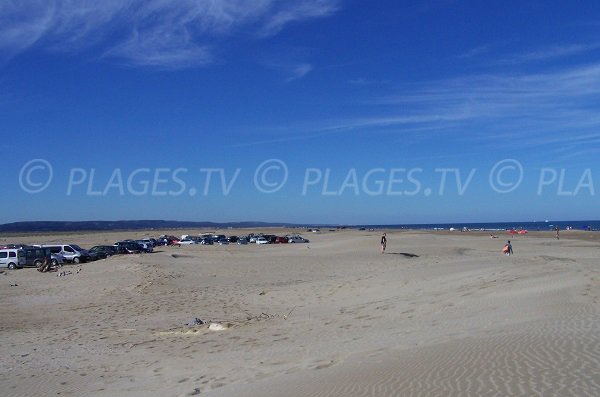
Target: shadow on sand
(406,254)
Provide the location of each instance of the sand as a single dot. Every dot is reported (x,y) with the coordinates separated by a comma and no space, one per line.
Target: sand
(441,314)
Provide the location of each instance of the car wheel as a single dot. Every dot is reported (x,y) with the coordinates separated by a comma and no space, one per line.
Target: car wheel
(292,242)
(76,260)
(54,262)
(12,266)
(37,263)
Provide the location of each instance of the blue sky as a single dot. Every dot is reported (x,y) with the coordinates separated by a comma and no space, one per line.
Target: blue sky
(341,101)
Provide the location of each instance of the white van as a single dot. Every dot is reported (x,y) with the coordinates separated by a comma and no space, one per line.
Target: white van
(71,252)
(12,258)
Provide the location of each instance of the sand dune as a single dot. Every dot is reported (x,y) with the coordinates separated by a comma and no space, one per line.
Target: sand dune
(441,314)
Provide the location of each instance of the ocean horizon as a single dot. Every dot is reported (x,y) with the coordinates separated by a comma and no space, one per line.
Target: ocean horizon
(590,225)
(75,226)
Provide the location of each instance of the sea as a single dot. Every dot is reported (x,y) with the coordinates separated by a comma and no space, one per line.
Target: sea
(496,226)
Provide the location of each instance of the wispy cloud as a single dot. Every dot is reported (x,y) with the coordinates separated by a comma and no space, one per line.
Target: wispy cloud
(517,111)
(475,52)
(297,11)
(289,62)
(500,110)
(155,33)
(290,69)
(300,71)
(550,53)
(362,81)
(160,49)
(21,25)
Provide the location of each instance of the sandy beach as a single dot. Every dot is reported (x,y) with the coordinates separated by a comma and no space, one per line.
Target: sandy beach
(440,314)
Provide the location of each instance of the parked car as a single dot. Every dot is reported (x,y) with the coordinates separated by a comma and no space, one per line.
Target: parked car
(160,241)
(223,241)
(13,246)
(297,239)
(233,239)
(207,241)
(261,240)
(102,251)
(169,240)
(242,241)
(187,241)
(149,241)
(281,240)
(148,247)
(128,247)
(35,256)
(12,258)
(71,252)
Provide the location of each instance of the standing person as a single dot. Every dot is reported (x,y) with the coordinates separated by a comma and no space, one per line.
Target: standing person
(508,250)
(557,232)
(383,243)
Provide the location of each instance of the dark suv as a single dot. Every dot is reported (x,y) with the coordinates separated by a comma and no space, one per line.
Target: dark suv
(102,251)
(129,247)
(35,256)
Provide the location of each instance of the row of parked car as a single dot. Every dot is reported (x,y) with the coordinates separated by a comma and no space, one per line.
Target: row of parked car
(15,256)
(221,239)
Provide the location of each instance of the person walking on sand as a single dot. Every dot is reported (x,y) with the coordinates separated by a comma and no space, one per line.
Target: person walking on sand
(383,243)
(557,233)
(508,250)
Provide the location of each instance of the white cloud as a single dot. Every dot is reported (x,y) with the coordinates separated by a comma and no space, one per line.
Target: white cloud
(548,110)
(549,53)
(160,49)
(156,33)
(296,11)
(289,62)
(290,69)
(475,52)
(21,25)
(300,71)
(361,81)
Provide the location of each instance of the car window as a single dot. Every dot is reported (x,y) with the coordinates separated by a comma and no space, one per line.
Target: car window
(12,254)
(55,250)
(3,255)
(68,249)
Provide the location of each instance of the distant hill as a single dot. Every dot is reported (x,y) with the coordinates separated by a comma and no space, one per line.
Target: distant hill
(66,226)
